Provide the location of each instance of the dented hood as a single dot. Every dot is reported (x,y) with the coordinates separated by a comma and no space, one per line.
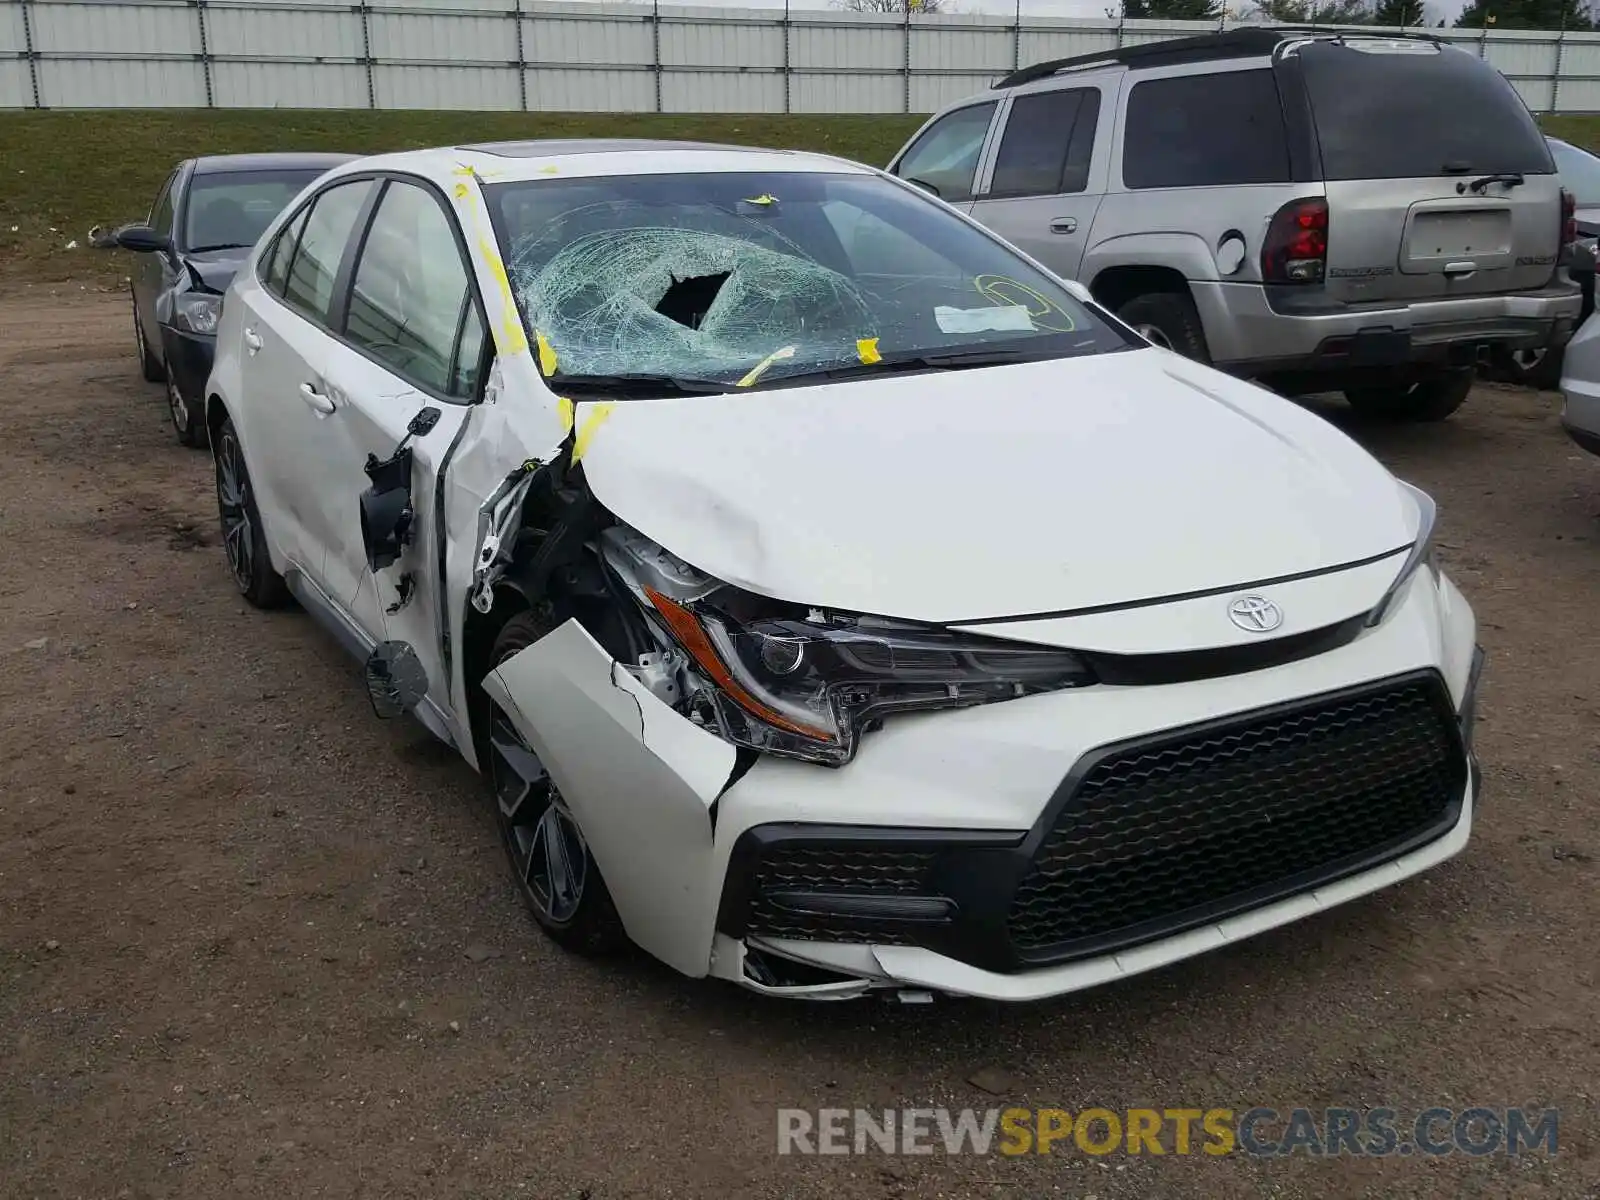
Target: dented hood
(970,494)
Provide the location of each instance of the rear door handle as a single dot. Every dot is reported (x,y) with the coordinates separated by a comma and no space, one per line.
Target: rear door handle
(1064,225)
(317,400)
(1464,267)
(252,340)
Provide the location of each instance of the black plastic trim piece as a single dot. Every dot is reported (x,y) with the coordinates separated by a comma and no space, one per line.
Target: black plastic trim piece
(1184,666)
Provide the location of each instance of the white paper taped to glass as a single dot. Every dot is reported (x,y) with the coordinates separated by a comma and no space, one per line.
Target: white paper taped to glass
(998,318)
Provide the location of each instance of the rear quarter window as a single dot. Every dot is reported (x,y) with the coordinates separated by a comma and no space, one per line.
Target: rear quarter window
(1210,130)
(1417,111)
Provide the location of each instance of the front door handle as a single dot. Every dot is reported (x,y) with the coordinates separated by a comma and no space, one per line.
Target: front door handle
(317,400)
(1064,225)
(252,340)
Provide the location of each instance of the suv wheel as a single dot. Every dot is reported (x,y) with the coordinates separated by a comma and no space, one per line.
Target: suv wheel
(1169,320)
(1430,399)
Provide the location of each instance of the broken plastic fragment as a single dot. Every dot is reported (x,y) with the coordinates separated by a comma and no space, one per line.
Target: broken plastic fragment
(867,351)
(760,369)
(998,318)
(547,355)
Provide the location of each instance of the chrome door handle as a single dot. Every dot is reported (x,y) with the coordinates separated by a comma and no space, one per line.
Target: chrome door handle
(252,340)
(1064,225)
(316,399)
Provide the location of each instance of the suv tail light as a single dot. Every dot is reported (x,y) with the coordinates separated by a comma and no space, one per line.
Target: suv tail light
(1296,247)
(1569,224)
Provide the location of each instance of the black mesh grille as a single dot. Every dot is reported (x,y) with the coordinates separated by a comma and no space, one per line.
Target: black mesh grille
(1164,835)
(835,868)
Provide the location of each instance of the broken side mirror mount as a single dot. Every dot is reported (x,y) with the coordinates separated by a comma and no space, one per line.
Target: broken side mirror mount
(386,511)
(396,679)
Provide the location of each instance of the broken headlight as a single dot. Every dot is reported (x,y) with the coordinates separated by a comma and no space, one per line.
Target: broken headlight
(197,312)
(805,687)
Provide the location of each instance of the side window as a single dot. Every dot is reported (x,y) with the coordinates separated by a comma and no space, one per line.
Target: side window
(1205,131)
(469,351)
(275,267)
(320,247)
(1048,142)
(410,297)
(161,212)
(946,156)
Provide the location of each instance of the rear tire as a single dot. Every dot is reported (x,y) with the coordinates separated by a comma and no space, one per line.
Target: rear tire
(555,875)
(1534,368)
(1170,320)
(149,365)
(1430,399)
(244,540)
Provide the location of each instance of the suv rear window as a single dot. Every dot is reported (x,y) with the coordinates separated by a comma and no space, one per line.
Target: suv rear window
(1208,130)
(1421,111)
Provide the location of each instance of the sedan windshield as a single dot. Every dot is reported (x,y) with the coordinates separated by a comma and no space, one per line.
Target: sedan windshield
(729,279)
(228,209)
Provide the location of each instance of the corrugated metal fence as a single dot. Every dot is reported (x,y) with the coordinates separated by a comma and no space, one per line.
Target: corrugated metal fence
(575,57)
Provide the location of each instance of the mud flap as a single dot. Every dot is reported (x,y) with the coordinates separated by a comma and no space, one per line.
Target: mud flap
(639,778)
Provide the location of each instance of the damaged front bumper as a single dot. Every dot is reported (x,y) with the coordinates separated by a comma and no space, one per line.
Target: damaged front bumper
(1024,849)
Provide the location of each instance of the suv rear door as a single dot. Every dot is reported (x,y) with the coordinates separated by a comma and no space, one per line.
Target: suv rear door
(1047,180)
(1412,135)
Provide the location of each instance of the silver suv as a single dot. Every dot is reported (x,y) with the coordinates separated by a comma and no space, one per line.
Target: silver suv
(1320,212)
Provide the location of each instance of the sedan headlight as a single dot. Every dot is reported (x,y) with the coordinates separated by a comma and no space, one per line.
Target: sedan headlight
(197,312)
(806,688)
(1422,553)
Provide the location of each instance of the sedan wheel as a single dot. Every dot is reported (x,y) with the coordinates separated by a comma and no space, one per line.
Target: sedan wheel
(556,875)
(242,538)
(190,432)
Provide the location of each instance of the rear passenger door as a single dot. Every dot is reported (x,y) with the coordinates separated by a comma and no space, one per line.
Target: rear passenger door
(1045,184)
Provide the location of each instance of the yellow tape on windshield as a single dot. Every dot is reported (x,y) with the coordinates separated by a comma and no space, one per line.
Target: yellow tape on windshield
(547,355)
(867,351)
(760,369)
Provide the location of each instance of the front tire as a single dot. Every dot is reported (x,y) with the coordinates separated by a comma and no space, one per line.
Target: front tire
(149,364)
(1169,320)
(191,431)
(554,872)
(1431,399)
(244,539)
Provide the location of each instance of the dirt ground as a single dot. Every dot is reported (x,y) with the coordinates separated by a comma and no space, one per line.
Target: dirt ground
(254,942)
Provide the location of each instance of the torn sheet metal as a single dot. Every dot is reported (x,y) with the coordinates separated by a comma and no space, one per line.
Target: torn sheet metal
(640,780)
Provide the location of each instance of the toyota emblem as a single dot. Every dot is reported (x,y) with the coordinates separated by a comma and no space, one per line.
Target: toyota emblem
(1255,614)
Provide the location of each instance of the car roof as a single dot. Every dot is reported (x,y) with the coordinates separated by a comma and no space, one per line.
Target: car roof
(505,162)
(216,164)
(1251,41)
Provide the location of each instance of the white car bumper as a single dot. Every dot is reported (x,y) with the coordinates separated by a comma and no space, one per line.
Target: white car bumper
(917,866)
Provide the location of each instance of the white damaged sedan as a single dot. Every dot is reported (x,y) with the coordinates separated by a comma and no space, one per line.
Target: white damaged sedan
(832,599)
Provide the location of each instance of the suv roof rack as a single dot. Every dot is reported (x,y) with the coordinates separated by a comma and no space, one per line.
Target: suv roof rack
(1244,42)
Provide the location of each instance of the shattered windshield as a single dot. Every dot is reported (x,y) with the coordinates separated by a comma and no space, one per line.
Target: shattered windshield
(739,277)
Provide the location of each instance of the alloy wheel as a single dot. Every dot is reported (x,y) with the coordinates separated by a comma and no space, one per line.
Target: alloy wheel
(547,849)
(233,502)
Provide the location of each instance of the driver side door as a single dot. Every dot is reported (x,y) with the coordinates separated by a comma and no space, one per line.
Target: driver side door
(944,158)
(412,342)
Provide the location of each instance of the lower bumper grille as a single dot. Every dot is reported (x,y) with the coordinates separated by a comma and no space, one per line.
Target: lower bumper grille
(1166,834)
(1142,840)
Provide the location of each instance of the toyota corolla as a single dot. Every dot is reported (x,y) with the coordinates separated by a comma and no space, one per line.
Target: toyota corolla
(833,600)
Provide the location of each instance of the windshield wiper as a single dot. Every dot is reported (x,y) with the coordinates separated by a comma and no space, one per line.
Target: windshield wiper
(1509,178)
(641,386)
(221,246)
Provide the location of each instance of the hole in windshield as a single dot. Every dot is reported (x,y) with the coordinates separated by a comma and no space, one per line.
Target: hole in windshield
(740,278)
(688,300)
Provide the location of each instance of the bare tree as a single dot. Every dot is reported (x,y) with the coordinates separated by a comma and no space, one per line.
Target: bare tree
(893,6)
